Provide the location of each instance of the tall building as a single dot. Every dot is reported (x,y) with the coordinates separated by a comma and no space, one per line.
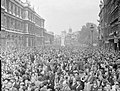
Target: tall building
(110,23)
(21,26)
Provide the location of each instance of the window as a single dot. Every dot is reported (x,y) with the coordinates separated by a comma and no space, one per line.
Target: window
(42,23)
(22,13)
(3,21)
(21,25)
(19,11)
(11,7)
(8,22)
(5,4)
(31,17)
(16,26)
(26,14)
(26,27)
(11,23)
(15,10)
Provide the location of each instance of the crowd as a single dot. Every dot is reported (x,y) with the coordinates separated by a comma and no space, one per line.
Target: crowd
(60,69)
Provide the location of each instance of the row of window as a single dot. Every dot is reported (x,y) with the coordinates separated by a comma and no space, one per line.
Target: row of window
(16,10)
(15,24)
(31,16)
(12,8)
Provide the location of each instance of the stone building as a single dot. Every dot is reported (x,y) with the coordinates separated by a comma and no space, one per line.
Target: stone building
(21,26)
(110,23)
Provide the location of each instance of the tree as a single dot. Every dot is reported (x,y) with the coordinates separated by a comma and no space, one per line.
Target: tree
(85,35)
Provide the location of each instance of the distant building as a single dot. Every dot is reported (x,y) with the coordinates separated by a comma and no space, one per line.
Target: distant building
(48,38)
(70,38)
(57,40)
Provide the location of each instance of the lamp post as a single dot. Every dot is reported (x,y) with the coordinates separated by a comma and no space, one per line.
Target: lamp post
(91,29)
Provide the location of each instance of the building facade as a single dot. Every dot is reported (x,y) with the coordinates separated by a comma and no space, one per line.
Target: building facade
(48,38)
(21,26)
(110,23)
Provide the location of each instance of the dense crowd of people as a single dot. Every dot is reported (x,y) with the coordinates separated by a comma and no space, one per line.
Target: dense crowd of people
(60,69)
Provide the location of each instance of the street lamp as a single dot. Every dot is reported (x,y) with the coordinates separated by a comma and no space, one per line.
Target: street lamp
(92,29)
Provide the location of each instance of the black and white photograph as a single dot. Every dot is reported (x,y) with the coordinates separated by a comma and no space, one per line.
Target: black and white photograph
(60,45)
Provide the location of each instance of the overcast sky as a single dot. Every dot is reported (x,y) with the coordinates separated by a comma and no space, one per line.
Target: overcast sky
(59,15)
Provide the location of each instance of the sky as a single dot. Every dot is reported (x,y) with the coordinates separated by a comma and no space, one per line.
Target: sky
(61,15)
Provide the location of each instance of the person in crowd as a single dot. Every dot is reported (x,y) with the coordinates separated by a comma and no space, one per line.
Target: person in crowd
(54,68)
